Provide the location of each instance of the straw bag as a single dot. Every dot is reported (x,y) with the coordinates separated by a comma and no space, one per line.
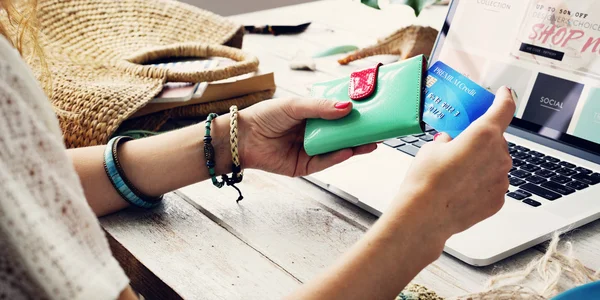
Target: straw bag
(96,50)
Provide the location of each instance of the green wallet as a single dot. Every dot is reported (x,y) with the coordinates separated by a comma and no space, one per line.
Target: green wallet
(387,103)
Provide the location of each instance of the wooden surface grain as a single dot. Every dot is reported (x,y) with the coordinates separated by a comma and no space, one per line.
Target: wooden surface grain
(202,245)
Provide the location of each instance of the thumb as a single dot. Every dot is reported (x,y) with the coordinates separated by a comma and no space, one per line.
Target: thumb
(442,137)
(301,109)
(502,110)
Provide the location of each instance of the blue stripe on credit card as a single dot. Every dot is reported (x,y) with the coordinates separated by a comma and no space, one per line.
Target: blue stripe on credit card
(453,101)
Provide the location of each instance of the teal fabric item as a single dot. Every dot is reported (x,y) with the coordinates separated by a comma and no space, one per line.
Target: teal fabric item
(371,3)
(588,291)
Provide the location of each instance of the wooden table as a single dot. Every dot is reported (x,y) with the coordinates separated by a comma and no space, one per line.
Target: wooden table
(202,245)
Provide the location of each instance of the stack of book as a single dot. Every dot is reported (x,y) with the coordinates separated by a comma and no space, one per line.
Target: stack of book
(177,94)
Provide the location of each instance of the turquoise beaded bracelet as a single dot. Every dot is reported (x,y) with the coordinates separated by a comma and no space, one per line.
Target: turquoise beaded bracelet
(209,152)
(209,155)
(117,178)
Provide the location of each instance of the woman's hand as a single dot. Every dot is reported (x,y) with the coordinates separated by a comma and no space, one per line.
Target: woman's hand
(451,186)
(464,181)
(271,136)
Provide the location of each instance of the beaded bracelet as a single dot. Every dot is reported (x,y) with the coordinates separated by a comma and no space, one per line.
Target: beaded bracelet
(209,152)
(119,181)
(209,155)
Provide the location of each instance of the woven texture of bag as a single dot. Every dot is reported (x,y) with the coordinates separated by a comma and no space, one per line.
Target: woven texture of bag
(96,49)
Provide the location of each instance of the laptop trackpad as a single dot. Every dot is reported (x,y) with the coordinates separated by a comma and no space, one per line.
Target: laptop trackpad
(373,179)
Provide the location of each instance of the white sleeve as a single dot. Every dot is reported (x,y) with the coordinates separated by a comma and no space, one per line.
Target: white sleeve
(51,243)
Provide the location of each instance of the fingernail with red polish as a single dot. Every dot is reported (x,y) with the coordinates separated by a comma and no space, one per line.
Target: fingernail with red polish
(437,135)
(342,105)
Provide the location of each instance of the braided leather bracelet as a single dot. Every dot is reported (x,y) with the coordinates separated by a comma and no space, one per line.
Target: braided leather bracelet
(238,173)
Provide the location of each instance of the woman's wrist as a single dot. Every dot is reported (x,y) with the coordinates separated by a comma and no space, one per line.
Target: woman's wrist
(425,224)
(245,130)
(220,142)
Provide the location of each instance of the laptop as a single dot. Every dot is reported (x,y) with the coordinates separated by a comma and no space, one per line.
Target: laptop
(550,57)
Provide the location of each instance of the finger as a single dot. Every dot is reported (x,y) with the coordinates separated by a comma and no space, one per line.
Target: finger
(502,110)
(364,149)
(506,148)
(442,137)
(324,161)
(301,109)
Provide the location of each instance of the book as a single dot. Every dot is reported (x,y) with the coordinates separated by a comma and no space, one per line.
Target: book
(218,90)
(183,91)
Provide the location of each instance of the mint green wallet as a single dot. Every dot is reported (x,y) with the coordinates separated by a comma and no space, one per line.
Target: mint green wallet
(387,103)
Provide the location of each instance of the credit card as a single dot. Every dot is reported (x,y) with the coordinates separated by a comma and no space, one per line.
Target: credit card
(453,101)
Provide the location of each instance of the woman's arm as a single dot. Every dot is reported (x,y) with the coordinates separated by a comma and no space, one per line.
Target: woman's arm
(270,138)
(451,186)
(386,259)
(154,165)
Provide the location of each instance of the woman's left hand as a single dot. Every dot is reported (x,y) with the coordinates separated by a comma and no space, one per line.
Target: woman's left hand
(271,136)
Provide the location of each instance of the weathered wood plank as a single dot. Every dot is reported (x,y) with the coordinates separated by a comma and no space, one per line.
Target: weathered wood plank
(193,256)
(142,280)
(282,218)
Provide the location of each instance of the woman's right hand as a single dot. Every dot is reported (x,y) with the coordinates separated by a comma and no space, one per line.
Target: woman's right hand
(452,185)
(461,182)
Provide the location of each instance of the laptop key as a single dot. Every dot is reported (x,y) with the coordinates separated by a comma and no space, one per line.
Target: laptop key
(394,143)
(545,173)
(530,168)
(540,191)
(427,138)
(518,162)
(522,149)
(551,159)
(566,172)
(561,179)
(567,165)
(595,175)
(550,166)
(511,144)
(532,202)
(536,179)
(409,149)
(583,171)
(587,179)
(418,135)
(524,193)
(516,196)
(521,155)
(578,185)
(536,160)
(419,144)
(559,188)
(536,154)
(514,181)
(520,174)
(409,139)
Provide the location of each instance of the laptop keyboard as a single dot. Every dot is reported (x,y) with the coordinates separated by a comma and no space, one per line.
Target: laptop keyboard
(533,173)
(412,143)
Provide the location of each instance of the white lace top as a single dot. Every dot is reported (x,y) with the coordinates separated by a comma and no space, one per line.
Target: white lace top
(51,244)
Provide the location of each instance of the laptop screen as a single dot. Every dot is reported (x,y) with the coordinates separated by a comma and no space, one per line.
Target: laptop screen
(548,51)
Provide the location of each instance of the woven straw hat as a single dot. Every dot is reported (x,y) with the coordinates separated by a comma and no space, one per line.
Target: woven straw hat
(96,50)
